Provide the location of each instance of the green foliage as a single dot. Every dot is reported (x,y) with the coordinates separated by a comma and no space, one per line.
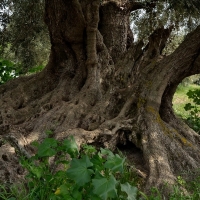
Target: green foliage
(84,176)
(23,35)
(129,190)
(172,44)
(105,188)
(194,109)
(87,174)
(36,69)
(8,70)
(96,175)
(181,16)
(80,170)
(187,105)
(184,190)
(197,82)
(47,148)
(190,80)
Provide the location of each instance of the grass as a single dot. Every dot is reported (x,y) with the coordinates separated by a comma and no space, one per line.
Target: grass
(180,99)
(182,190)
(41,188)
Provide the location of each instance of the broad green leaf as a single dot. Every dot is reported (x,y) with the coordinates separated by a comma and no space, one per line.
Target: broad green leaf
(89,149)
(94,197)
(194,95)
(115,163)
(79,170)
(130,191)
(188,106)
(37,171)
(47,148)
(65,192)
(70,146)
(77,194)
(107,152)
(105,188)
(98,162)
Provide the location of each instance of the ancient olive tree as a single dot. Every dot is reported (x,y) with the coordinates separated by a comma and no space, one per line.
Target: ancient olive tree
(104,89)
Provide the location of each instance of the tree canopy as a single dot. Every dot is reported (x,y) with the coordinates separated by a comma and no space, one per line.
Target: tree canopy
(24,36)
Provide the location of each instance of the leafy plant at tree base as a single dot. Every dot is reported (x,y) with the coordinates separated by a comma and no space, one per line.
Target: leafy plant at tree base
(96,175)
(87,174)
(194,109)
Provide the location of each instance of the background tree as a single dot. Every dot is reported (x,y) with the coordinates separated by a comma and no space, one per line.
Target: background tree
(24,35)
(102,88)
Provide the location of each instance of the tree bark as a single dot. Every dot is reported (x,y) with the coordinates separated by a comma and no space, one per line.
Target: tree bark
(99,88)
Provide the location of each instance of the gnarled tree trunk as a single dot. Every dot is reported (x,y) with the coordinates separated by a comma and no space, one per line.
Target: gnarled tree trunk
(102,88)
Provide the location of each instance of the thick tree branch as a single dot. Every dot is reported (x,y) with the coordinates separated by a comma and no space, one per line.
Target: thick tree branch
(185,60)
(19,149)
(157,41)
(132,5)
(92,27)
(59,14)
